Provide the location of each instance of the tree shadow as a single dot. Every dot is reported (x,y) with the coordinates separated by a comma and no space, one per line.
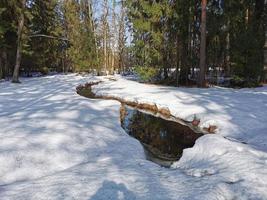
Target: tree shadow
(114,191)
(66,136)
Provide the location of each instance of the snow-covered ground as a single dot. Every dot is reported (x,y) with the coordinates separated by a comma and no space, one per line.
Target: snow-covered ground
(238,114)
(55,144)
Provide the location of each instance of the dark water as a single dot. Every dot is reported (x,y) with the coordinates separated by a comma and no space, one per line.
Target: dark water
(163,140)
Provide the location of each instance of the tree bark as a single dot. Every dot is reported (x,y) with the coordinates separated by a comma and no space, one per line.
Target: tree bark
(265,49)
(178,60)
(202,72)
(92,26)
(15,78)
(259,27)
(105,23)
(4,63)
(227,52)
(113,50)
(2,76)
(121,39)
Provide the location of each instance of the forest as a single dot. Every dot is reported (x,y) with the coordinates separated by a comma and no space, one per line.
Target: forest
(172,42)
(133,99)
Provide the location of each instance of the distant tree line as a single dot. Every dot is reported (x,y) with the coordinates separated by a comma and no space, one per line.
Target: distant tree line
(178,42)
(42,36)
(198,38)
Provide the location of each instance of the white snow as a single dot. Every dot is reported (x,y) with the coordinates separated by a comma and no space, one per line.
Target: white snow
(55,144)
(238,114)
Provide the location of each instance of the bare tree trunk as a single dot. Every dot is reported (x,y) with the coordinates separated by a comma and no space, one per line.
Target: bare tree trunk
(4,62)
(92,24)
(112,62)
(105,27)
(228,70)
(264,75)
(114,34)
(178,63)
(121,38)
(105,51)
(2,76)
(265,57)
(201,78)
(15,78)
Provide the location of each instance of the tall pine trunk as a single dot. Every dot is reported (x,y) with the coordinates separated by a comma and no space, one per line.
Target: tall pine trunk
(122,39)
(178,60)
(3,64)
(265,58)
(259,27)
(227,60)
(265,48)
(2,75)
(202,66)
(15,78)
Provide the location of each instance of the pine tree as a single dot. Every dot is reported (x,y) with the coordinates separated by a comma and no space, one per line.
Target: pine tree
(201,78)
(46,31)
(8,24)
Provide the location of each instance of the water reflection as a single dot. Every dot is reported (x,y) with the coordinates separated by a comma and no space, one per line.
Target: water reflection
(163,140)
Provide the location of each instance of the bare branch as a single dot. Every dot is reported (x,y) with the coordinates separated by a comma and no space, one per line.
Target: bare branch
(48,36)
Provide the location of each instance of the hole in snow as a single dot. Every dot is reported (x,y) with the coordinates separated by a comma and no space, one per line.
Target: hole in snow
(163,140)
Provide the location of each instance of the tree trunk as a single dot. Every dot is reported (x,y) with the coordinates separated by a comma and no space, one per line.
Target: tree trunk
(114,28)
(265,49)
(202,72)
(4,63)
(105,35)
(260,28)
(165,61)
(112,62)
(15,78)
(227,68)
(92,25)
(165,68)
(265,59)
(105,49)
(184,64)
(2,76)
(122,39)
(178,60)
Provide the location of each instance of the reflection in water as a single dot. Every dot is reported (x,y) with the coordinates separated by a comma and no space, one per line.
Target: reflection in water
(163,140)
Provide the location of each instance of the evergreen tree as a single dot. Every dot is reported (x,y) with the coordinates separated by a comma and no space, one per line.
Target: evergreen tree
(45,29)
(82,50)
(168,38)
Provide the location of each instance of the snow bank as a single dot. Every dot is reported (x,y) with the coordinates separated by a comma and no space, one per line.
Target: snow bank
(238,165)
(238,114)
